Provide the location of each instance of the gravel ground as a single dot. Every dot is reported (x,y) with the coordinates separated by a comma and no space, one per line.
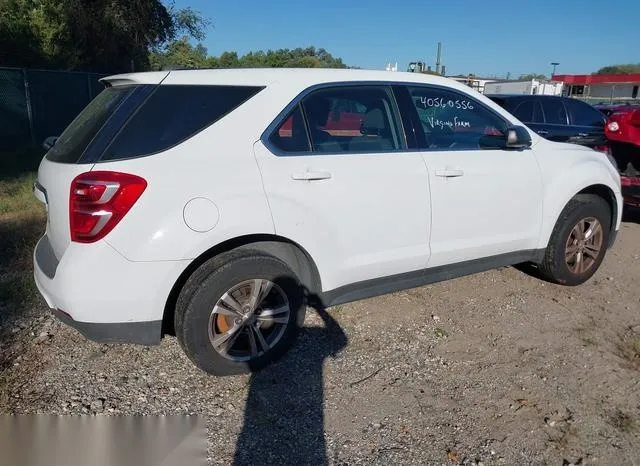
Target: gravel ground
(495,368)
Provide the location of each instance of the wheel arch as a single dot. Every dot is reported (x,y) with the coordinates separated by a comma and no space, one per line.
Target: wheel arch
(288,251)
(599,189)
(606,193)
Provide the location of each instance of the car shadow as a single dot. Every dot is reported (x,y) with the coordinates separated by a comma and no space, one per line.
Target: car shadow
(284,418)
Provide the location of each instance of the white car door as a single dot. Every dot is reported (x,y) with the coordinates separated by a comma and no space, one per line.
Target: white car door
(340,183)
(485,201)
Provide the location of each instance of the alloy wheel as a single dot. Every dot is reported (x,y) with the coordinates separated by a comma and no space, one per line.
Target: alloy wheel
(249,319)
(583,245)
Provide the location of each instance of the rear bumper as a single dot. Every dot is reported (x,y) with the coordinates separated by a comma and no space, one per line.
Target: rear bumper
(140,333)
(104,296)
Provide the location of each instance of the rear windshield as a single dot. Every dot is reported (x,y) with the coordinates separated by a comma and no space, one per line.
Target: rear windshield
(172,114)
(74,140)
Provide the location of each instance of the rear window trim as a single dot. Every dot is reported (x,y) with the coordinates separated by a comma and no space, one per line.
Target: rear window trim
(82,158)
(192,135)
(120,118)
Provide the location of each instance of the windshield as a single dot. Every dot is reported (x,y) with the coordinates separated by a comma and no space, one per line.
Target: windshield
(75,139)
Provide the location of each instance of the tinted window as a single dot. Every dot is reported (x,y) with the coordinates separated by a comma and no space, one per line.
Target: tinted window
(352,119)
(554,112)
(454,121)
(583,114)
(524,111)
(538,116)
(74,140)
(172,114)
(291,135)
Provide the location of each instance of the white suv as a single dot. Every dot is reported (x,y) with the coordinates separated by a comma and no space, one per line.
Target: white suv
(214,205)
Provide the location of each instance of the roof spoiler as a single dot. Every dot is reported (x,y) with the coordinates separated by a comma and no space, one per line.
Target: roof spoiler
(153,77)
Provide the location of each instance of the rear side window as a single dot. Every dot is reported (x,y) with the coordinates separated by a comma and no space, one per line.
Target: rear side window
(352,119)
(74,140)
(554,112)
(172,114)
(583,114)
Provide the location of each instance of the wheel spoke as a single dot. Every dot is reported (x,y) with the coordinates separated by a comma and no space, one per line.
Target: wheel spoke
(252,342)
(579,262)
(591,251)
(581,229)
(259,290)
(571,251)
(229,306)
(279,315)
(593,230)
(262,343)
(225,341)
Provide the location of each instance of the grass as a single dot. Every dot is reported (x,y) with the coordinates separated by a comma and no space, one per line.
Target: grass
(628,348)
(22,219)
(622,421)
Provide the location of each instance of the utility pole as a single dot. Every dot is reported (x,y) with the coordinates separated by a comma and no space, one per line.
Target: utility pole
(554,64)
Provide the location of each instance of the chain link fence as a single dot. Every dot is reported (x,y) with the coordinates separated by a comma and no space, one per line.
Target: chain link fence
(35,104)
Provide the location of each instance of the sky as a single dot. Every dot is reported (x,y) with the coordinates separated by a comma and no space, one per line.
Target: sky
(486,38)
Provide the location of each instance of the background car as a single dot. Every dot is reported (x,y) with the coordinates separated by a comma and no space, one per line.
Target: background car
(623,131)
(560,119)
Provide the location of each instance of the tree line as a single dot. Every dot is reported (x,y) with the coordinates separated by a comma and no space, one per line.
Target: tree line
(181,54)
(114,36)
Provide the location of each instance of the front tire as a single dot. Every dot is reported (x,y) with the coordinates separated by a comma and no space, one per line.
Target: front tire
(239,312)
(578,242)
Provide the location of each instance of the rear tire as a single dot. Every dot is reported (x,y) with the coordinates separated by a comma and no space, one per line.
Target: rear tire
(578,242)
(239,312)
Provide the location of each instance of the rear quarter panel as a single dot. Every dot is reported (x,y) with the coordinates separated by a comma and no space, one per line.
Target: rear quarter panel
(216,164)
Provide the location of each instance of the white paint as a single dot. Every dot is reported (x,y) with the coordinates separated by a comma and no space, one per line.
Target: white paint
(201,214)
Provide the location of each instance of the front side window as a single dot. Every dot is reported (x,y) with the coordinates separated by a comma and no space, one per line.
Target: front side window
(172,114)
(454,121)
(352,119)
(583,114)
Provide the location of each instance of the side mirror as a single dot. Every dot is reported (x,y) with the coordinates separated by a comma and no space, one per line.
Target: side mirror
(518,138)
(49,142)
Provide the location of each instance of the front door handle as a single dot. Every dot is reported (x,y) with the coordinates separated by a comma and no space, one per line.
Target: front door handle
(311,176)
(542,132)
(449,173)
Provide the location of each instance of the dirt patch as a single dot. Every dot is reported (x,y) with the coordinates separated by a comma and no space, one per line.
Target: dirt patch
(495,368)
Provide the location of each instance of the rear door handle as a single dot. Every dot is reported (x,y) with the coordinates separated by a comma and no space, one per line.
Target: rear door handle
(583,135)
(542,132)
(311,176)
(449,173)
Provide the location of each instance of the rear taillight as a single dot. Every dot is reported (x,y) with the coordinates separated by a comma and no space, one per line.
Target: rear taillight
(99,200)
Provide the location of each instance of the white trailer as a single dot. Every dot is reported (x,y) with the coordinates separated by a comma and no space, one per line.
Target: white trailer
(528,87)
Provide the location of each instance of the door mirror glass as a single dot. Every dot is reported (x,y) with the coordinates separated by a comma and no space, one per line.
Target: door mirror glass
(518,138)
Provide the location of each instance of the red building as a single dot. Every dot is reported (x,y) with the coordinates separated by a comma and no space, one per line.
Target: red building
(603,87)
